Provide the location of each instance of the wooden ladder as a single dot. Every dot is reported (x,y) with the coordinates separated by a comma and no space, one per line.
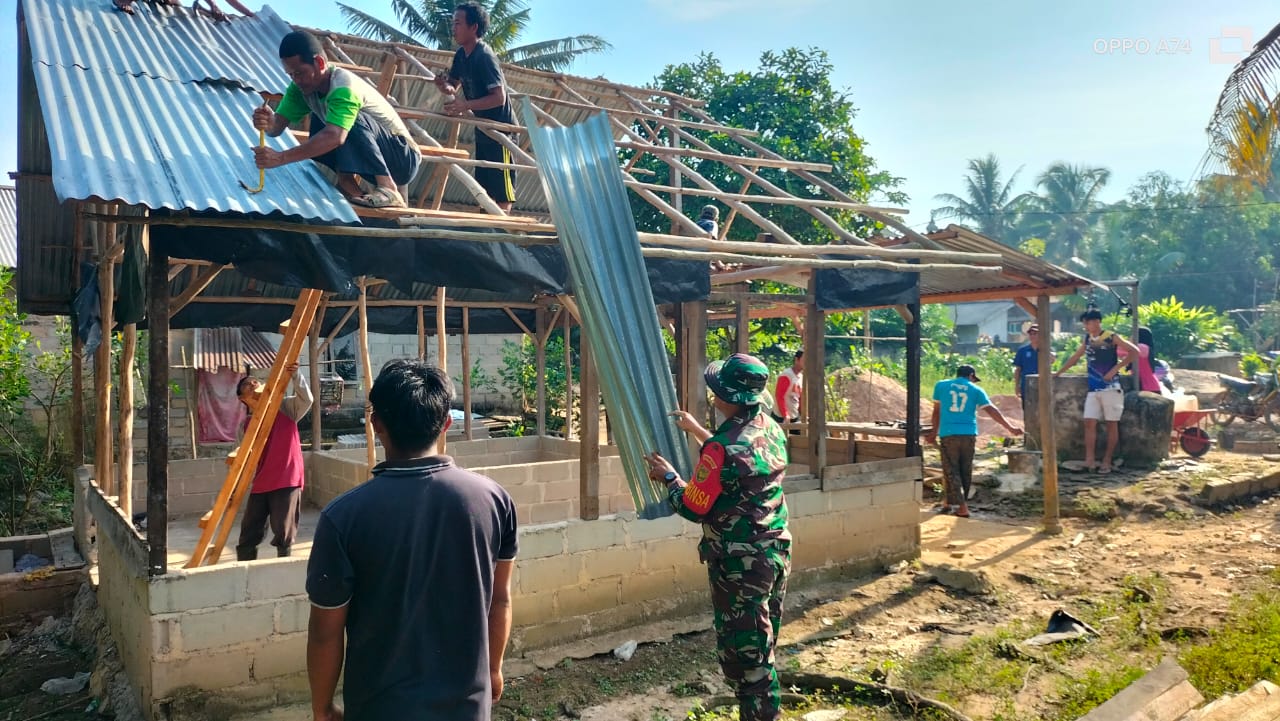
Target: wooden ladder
(244,460)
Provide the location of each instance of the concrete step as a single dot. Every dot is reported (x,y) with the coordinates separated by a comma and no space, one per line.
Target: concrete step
(294,712)
(1164,694)
(1260,703)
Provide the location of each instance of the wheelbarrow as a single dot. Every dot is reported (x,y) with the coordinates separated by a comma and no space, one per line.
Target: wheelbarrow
(1189,433)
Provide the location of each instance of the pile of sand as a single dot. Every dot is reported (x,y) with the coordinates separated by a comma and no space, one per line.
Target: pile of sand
(873,397)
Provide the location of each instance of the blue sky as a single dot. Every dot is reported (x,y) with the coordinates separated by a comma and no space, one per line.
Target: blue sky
(1127,85)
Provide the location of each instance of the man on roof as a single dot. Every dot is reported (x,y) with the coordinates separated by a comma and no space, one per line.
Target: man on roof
(354,131)
(477,72)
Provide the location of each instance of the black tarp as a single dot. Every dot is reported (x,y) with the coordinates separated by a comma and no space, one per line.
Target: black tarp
(846,288)
(391,320)
(331,262)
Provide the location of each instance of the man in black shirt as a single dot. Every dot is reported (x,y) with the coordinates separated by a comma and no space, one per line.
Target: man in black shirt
(477,72)
(415,567)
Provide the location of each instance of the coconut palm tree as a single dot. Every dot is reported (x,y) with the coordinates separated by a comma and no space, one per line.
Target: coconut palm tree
(1065,211)
(989,205)
(1244,132)
(429,23)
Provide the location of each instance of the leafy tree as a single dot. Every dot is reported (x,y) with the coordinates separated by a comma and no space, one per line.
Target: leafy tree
(989,205)
(1244,132)
(430,23)
(791,100)
(1066,208)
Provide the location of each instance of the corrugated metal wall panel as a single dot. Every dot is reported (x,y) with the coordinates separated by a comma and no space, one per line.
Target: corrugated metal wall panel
(589,203)
(8,227)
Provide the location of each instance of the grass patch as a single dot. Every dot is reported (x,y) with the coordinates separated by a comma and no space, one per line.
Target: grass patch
(1081,694)
(1244,650)
(981,665)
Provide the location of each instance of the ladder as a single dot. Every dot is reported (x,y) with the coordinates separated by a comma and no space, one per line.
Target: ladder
(216,524)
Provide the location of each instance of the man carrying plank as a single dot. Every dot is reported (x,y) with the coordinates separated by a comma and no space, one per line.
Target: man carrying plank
(275,498)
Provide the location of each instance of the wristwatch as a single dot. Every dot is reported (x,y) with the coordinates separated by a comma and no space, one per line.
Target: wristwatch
(670,477)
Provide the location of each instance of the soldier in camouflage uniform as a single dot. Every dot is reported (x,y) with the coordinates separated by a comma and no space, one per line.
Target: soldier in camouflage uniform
(736,493)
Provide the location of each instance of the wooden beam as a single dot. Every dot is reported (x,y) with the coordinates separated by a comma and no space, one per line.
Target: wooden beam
(815,362)
(742,196)
(336,329)
(806,262)
(426,151)
(1048,433)
(466,374)
(772,272)
(969,296)
(477,192)
(523,328)
(313,378)
(742,327)
(568,377)
(176,269)
(1026,305)
(904,312)
(543,325)
(589,465)
(157,412)
(387,76)
(753,248)
(442,333)
(629,114)
(693,327)
(127,354)
(422,333)
(103,456)
(371,454)
(197,286)
(747,161)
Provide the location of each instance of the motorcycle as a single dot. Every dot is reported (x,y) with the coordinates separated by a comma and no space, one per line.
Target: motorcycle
(1249,400)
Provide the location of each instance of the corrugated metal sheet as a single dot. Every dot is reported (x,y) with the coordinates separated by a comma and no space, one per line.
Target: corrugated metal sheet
(234,348)
(1022,272)
(589,203)
(153,109)
(8,227)
(161,41)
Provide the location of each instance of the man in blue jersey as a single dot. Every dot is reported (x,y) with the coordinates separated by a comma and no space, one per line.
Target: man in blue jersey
(956,402)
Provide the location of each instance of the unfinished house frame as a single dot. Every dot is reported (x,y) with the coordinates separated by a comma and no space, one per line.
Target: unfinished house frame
(96,189)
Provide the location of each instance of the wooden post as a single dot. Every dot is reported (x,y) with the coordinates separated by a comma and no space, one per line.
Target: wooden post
(422,334)
(1137,323)
(568,376)
(77,348)
(694,327)
(127,353)
(540,364)
(913,381)
(589,465)
(466,374)
(742,324)
(103,457)
(868,340)
(158,412)
(815,387)
(682,396)
(372,454)
(313,363)
(442,333)
(1048,437)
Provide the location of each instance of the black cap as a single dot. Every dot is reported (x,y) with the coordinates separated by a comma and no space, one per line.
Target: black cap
(1091,314)
(967,371)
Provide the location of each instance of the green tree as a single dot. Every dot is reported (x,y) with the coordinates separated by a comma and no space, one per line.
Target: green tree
(429,23)
(1066,209)
(989,205)
(791,100)
(1244,132)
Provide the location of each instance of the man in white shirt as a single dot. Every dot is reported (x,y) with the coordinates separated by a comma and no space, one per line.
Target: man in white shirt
(787,393)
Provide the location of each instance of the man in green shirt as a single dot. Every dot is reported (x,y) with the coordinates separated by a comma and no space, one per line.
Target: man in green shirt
(354,130)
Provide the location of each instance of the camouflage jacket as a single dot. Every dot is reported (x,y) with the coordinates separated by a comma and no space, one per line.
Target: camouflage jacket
(736,491)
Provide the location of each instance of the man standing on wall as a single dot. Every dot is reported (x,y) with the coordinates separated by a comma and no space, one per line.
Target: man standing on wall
(275,498)
(1105,401)
(787,394)
(955,419)
(354,131)
(736,493)
(414,567)
(478,73)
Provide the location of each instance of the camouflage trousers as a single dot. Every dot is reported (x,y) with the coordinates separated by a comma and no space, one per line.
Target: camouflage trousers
(746,594)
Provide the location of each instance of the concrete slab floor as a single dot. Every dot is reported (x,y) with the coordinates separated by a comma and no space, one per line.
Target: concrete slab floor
(184,533)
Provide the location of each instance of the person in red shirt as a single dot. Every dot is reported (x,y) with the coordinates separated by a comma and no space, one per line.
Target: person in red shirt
(787,393)
(275,498)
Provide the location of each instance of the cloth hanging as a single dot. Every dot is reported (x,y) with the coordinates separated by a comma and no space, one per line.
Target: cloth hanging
(218,410)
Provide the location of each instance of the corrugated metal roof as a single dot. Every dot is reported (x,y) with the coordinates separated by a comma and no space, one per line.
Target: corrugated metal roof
(233,348)
(8,227)
(153,109)
(598,234)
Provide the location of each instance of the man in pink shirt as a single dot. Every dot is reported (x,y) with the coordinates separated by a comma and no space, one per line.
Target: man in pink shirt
(276,495)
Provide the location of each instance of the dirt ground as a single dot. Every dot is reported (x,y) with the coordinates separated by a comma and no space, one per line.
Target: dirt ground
(1133,531)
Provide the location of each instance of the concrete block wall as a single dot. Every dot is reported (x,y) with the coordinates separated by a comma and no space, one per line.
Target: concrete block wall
(486,351)
(542,481)
(193,485)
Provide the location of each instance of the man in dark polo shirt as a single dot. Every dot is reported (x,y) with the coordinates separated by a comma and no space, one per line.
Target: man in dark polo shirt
(415,567)
(477,72)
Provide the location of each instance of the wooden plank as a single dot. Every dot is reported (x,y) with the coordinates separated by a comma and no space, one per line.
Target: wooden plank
(128,352)
(371,452)
(1260,702)
(1131,703)
(244,464)
(835,478)
(878,451)
(589,465)
(800,484)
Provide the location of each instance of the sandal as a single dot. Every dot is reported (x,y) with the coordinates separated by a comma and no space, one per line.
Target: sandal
(1104,470)
(945,510)
(381,198)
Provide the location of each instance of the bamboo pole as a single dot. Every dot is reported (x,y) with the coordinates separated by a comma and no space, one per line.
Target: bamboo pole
(1048,434)
(745,161)
(367,366)
(477,192)
(568,378)
(127,354)
(868,339)
(422,333)
(103,456)
(696,255)
(466,374)
(77,345)
(768,199)
(623,113)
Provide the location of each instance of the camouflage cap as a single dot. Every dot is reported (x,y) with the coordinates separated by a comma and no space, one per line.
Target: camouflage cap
(740,379)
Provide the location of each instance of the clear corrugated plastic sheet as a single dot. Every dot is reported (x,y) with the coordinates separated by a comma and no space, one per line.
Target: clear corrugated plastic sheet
(579,168)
